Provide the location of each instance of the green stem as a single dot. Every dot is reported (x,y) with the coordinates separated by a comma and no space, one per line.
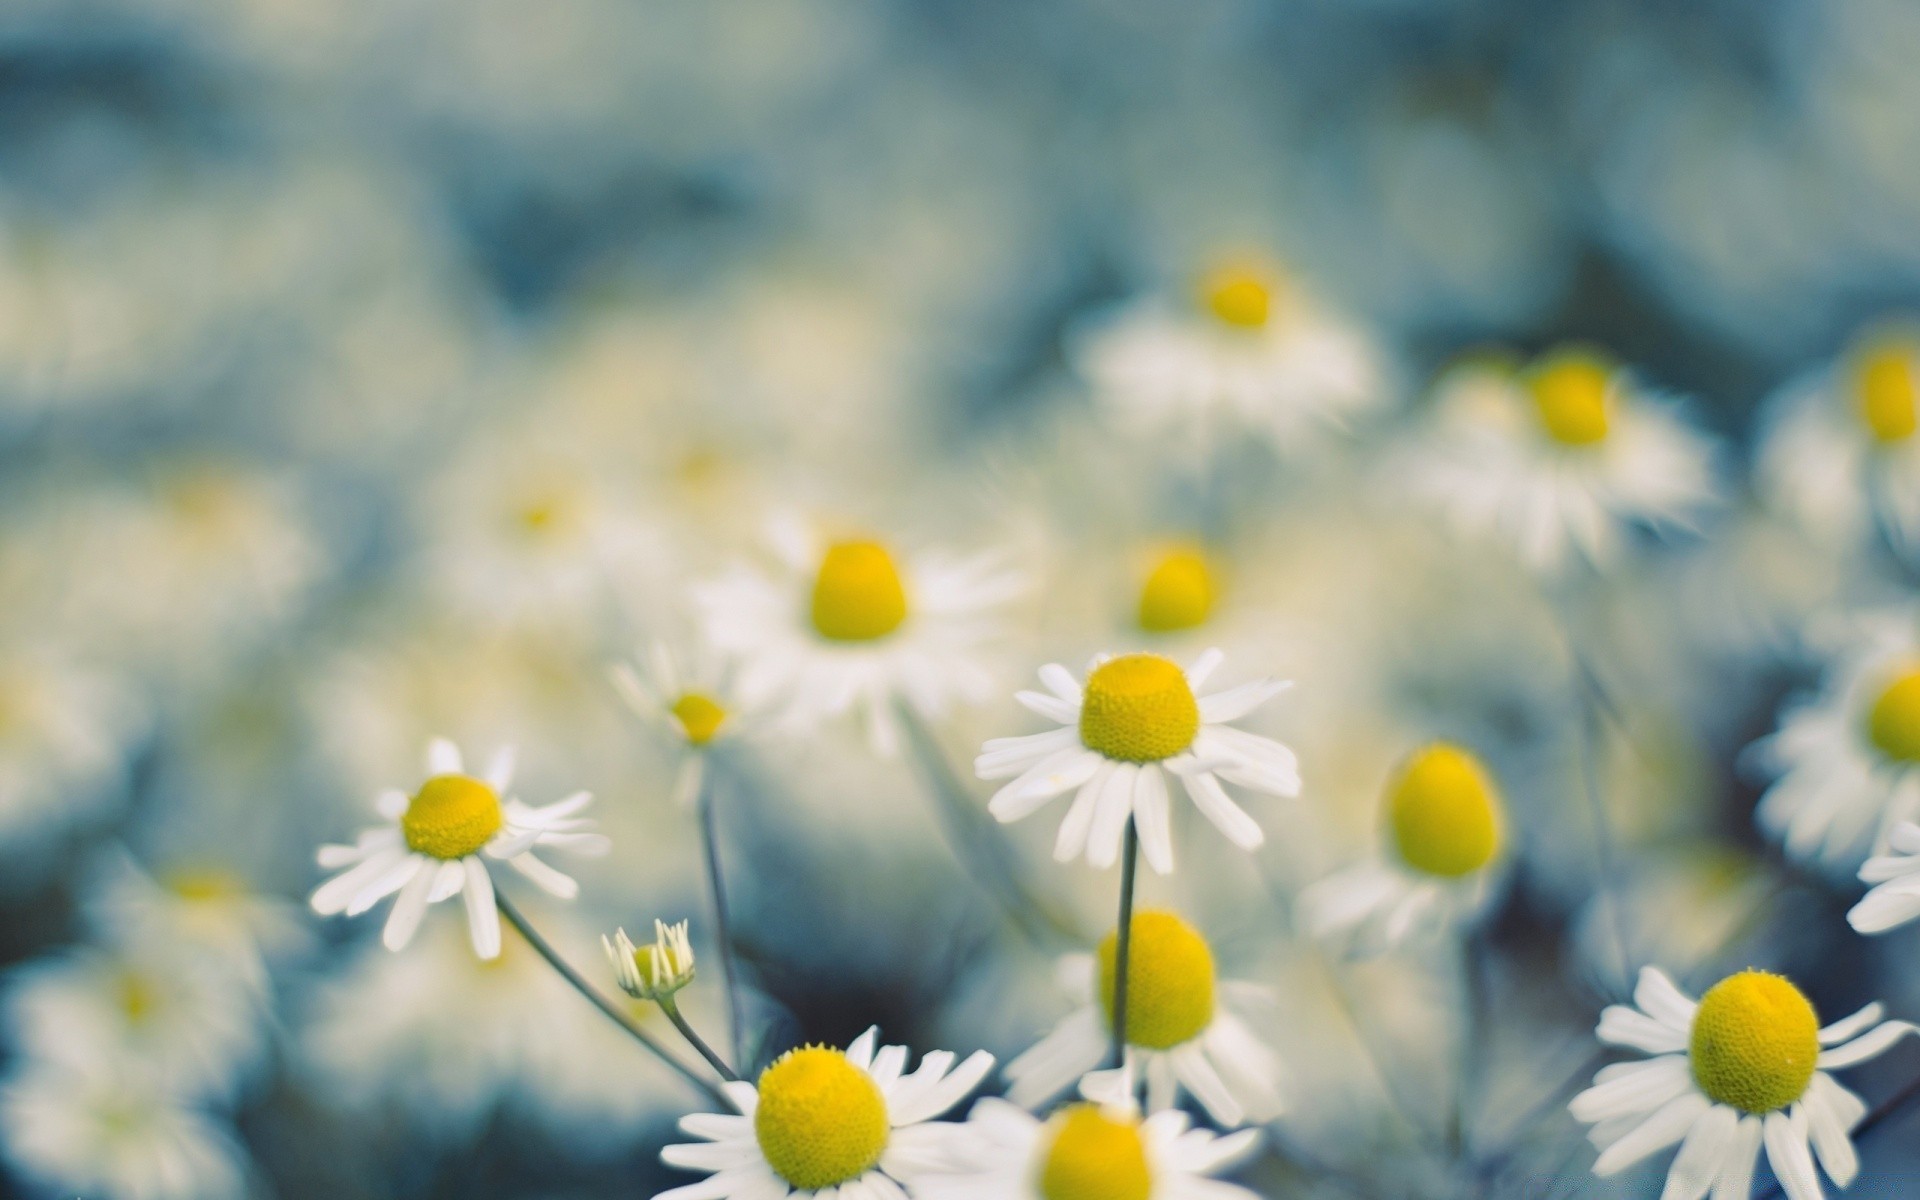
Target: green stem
(722,919)
(669,1006)
(1122,943)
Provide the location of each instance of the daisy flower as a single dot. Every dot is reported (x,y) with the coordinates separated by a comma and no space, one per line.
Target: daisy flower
(697,707)
(1744,1066)
(437,845)
(1556,460)
(210,914)
(1845,762)
(1138,718)
(819,1121)
(1180,1034)
(1839,452)
(1249,353)
(852,626)
(1444,827)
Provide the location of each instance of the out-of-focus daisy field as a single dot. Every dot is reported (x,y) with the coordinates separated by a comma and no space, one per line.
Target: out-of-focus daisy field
(908,600)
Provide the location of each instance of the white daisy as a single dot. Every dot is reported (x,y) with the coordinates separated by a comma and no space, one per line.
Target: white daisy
(1839,451)
(1746,1065)
(1252,354)
(1845,761)
(1444,821)
(1138,718)
(66,734)
(854,1125)
(1182,1030)
(1556,460)
(1090,1149)
(852,626)
(209,914)
(437,845)
(1894,899)
(698,707)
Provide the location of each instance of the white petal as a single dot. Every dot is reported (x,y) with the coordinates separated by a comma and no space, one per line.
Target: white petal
(443,757)
(499,775)
(1866,1046)
(1665,1127)
(1786,1139)
(1061,682)
(1072,839)
(1625,1089)
(1660,999)
(1623,1025)
(1111,817)
(391,804)
(1737,1163)
(1700,1155)
(1057,773)
(407,910)
(1829,1116)
(1152,818)
(1212,801)
(1852,1026)
(1237,702)
(483,919)
(1203,667)
(1053,708)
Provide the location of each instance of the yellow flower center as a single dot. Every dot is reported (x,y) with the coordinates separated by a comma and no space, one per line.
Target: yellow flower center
(1884,387)
(451,816)
(1444,812)
(1138,708)
(1237,295)
(700,716)
(1893,723)
(1570,391)
(1095,1157)
(137,998)
(1755,1042)
(858,595)
(1179,592)
(821,1120)
(205,886)
(1169,981)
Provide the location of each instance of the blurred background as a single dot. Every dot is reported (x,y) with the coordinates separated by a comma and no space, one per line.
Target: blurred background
(376,369)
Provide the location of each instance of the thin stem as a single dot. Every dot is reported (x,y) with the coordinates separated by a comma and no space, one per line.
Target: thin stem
(1122,942)
(722,920)
(606,1006)
(1473,1041)
(669,1006)
(1592,703)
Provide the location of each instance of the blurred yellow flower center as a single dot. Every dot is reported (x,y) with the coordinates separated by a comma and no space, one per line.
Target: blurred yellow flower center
(1755,1042)
(201,886)
(1570,393)
(1138,708)
(821,1121)
(858,595)
(1095,1157)
(1885,389)
(137,1000)
(1238,296)
(1179,592)
(700,716)
(1444,812)
(1893,723)
(1169,981)
(451,816)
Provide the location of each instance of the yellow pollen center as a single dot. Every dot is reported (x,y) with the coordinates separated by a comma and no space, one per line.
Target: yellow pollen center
(1095,1157)
(821,1121)
(205,886)
(700,717)
(1893,723)
(1138,708)
(1570,391)
(1755,1042)
(858,595)
(1179,592)
(1169,981)
(1237,296)
(137,998)
(450,817)
(1885,391)
(1444,812)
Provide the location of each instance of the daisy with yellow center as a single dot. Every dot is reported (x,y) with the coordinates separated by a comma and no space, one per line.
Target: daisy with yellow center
(1251,353)
(1744,1066)
(1185,1031)
(853,1124)
(437,845)
(1847,761)
(699,708)
(1557,459)
(855,625)
(1138,719)
(1445,829)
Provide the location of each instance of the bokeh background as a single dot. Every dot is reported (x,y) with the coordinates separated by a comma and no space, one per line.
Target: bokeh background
(374,369)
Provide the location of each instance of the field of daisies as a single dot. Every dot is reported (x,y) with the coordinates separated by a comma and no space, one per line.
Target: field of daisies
(911,600)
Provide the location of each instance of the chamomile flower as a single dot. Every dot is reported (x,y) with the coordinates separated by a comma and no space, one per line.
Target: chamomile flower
(208,914)
(438,843)
(650,972)
(1251,352)
(819,1121)
(1556,460)
(1840,453)
(1744,1066)
(851,625)
(698,707)
(1444,825)
(1138,718)
(1182,1030)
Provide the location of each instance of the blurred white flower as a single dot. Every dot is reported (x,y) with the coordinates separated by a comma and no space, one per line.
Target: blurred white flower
(1556,461)
(1138,718)
(210,917)
(823,1122)
(66,731)
(851,626)
(437,844)
(1183,1030)
(699,707)
(1744,1065)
